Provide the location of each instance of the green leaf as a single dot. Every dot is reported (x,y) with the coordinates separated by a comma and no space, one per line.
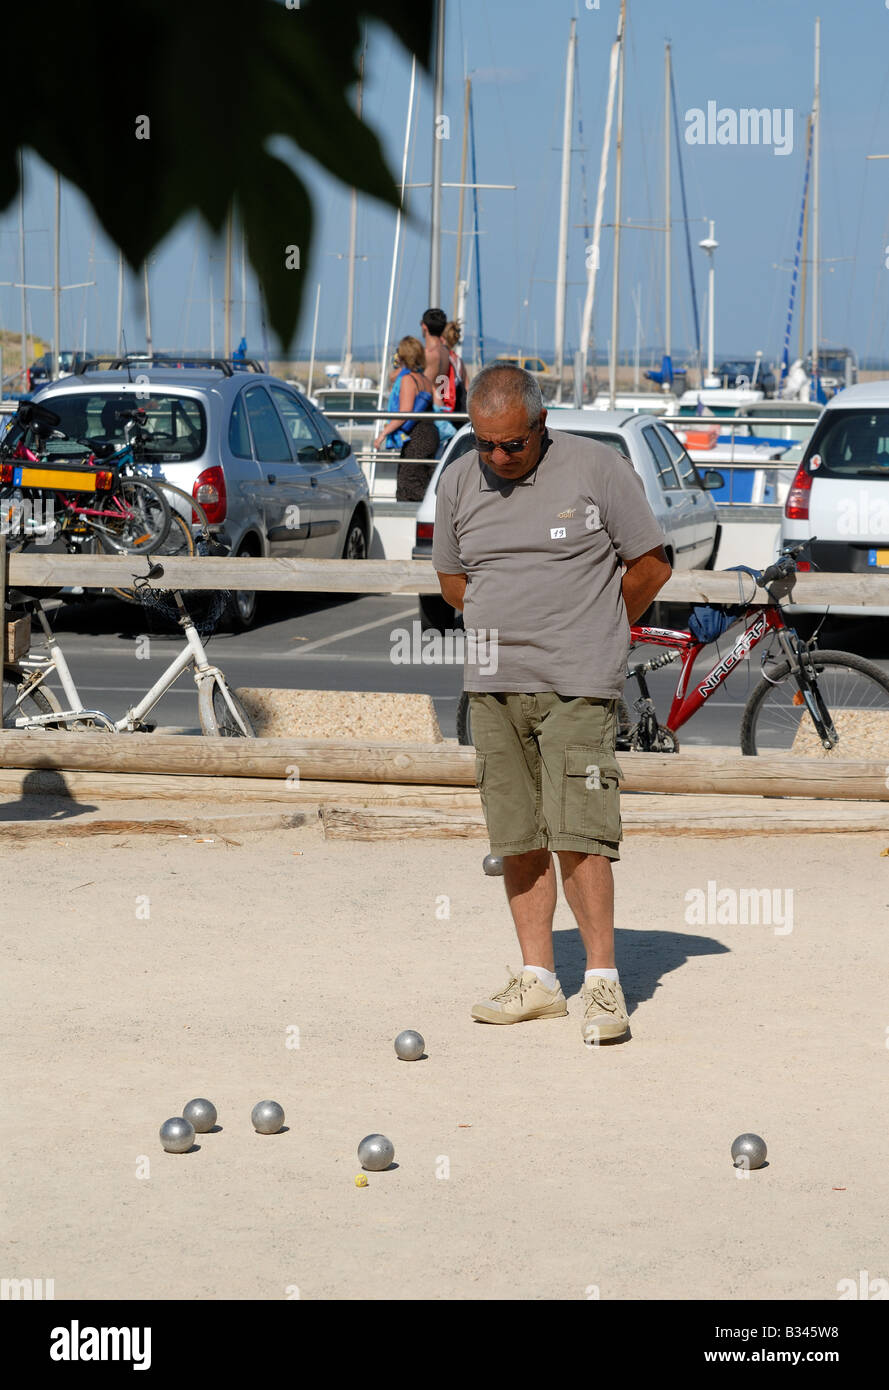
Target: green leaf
(219,83)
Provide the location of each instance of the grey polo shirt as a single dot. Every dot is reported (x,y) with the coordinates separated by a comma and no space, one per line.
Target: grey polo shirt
(544,608)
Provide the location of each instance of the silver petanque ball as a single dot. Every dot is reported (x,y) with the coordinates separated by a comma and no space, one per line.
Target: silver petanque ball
(409,1045)
(267,1117)
(376,1152)
(492,865)
(177,1135)
(749,1151)
(201,1113)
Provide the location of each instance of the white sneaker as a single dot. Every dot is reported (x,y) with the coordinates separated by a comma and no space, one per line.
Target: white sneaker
(524,997)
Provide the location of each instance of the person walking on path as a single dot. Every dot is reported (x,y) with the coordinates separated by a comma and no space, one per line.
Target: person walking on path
(547,544)
(438,356)
(408,382)
(452,336)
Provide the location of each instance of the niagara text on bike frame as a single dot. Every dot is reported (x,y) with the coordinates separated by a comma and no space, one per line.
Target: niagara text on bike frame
(684,705)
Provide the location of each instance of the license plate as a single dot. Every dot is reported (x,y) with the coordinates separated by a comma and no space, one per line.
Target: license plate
(878,558)
(55,478)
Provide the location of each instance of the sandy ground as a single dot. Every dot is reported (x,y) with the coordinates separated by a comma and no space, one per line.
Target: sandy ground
(529,1166)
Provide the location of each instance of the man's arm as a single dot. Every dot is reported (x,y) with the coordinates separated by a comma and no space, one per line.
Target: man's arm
(453,589)
(645,577)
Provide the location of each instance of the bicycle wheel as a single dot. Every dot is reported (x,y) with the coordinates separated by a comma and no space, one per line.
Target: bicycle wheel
(179,541)
(854,692)
(221,713)
(20,702)
(143,524)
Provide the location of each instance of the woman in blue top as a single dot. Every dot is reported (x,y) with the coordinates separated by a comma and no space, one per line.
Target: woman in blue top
(411,391)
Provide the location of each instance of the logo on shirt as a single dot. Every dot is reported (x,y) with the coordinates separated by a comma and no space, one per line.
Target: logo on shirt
(558,533)
(564,516)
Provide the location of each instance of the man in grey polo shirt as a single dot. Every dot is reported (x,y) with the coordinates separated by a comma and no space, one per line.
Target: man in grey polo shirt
(547,544)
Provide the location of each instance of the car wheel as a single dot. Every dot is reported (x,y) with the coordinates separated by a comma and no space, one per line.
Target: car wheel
(244,602)
(356,540)
(436,615)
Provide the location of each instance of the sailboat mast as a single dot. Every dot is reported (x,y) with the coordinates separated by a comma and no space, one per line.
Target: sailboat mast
(480,337)
(438,102)
(592,258)
(458,259)
(119,338)
(396,243)
(57,281)
(227,305)
(668,219)
(615,285)
(564,200)
(353,233)
(805,271)
(816,152)
(22,261)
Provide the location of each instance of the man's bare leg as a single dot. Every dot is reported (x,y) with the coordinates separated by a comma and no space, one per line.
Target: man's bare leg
(589,889)
(530,881)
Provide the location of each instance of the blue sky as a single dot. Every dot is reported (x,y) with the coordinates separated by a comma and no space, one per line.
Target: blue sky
(759,54)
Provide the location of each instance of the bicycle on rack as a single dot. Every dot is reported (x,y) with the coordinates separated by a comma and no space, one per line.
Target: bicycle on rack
(838,691)
(29,702)
(92,499)
(186,512)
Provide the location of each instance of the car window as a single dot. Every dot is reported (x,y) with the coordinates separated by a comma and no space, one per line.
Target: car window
(615,441)
(852,444)
(238,433)
(300,428)
(667,475)
(680,458)
(176,427)
(269,440)
(463,444)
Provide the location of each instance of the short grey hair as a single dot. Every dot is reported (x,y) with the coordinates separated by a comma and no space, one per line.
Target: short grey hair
(502,384)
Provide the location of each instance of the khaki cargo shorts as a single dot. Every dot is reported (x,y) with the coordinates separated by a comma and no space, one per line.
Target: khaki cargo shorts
(546,771)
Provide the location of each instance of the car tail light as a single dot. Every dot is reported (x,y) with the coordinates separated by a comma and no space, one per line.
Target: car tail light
(6,473)
(104,480)
(209,490)
(796,508)
(424,530)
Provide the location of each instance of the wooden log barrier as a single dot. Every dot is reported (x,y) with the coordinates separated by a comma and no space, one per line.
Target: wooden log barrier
(436,764)
(34,568)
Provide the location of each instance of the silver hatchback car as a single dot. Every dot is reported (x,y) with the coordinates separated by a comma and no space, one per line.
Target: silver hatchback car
(274,477)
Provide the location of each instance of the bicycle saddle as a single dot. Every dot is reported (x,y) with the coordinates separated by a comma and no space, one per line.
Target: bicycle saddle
(19,598)
(40,417)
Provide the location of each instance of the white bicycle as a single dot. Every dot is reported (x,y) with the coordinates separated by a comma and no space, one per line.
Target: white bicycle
(29,703)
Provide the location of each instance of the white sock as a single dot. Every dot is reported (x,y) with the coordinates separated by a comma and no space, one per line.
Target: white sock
(607,973)
(546,977)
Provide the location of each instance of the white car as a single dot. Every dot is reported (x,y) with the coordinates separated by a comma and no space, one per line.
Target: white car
(839,497)
(677,494)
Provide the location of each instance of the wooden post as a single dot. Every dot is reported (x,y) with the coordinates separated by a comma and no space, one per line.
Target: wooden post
(2,609)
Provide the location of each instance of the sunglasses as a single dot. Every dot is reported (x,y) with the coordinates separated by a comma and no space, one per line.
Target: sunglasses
(509,446)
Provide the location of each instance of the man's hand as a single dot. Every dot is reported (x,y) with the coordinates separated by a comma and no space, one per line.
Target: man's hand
(645,577)
(453,589)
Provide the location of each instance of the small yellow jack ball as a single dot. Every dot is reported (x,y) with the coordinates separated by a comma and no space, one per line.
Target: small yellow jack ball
(361,1180)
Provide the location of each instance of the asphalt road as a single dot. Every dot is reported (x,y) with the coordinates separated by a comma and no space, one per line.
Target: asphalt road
(342,642)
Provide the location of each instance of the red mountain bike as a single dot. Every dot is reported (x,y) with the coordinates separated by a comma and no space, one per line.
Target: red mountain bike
(830,693)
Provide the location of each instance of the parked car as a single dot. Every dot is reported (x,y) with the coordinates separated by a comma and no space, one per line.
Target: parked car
(677,494)
(273,475)
(42,368)
(839,497)
(740,372)
(837,368)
